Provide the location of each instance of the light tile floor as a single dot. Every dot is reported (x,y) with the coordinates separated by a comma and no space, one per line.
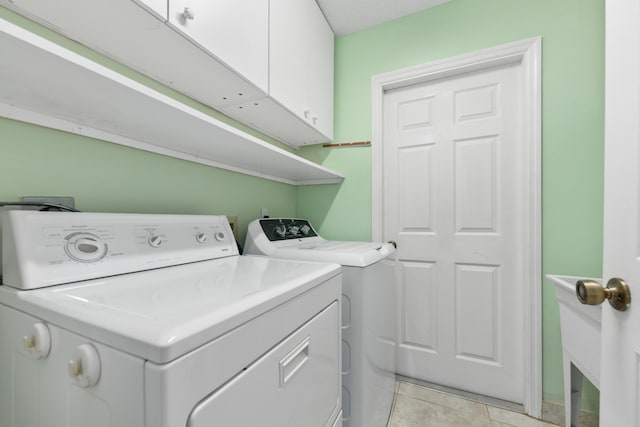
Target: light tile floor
(418,406)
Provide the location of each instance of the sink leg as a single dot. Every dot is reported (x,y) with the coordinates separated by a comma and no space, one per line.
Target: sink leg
(576,395)
(572,391)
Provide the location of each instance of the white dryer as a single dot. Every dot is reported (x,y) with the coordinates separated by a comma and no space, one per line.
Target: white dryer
(112,320)
(368,310)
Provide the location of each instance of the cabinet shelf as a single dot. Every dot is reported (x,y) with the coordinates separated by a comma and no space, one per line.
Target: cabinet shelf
(48,85)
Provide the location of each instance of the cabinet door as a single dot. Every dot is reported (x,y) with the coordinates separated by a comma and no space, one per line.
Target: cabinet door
(320,72)
(234,31)
(289,54)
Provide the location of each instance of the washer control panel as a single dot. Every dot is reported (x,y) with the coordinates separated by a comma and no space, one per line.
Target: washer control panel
(48,248)
(287,228)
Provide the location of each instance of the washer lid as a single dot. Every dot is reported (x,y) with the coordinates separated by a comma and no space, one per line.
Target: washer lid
(162,314)
(295,238)
(355,254)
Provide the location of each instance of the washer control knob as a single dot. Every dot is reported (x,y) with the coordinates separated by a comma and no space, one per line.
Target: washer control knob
(156,240)
(84,367)
(219,236)
(202,237)
(38,343)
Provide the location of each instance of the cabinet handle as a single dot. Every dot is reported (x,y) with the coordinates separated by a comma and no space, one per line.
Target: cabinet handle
(306,114)
(188,14)
(314,119)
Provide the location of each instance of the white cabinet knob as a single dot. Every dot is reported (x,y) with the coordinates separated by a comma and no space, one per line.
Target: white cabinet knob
(84,367)
(188,14)
(38,342)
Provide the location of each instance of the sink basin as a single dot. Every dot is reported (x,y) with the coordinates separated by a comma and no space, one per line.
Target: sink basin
(581,332)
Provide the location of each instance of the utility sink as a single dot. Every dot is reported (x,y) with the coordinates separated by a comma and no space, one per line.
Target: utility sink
(581,332)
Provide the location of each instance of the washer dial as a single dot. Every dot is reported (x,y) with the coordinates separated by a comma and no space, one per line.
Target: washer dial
(85,247)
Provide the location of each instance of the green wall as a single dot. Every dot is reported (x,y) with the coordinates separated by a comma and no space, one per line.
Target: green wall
(572,128)
(107,177)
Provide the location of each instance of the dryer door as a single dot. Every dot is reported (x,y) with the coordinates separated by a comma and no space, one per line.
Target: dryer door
(296,384)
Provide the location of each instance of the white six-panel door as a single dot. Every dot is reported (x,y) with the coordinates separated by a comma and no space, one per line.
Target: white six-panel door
(452,198)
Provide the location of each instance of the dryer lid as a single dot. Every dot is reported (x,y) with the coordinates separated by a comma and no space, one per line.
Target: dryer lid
(162,314)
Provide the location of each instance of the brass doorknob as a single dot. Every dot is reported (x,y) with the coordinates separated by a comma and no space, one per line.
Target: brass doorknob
(592,293)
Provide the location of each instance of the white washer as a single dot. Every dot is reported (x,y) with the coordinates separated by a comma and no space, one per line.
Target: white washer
(368,310)
(155,320)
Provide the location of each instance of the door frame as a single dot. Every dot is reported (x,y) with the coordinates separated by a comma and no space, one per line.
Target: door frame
(527,54)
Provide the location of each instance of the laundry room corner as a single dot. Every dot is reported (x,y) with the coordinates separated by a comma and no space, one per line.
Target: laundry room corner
(342,211)
(572,34)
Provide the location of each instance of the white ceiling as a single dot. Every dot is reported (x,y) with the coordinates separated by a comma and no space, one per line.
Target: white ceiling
(348,16)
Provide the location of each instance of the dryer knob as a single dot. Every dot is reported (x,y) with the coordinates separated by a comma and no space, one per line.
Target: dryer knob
(84,367)
(156,240)
(38,343)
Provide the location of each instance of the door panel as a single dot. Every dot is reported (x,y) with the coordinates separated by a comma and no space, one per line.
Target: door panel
(419,323)
(475,185)
(477,337)
(476,103)
(452,201)
(416,187)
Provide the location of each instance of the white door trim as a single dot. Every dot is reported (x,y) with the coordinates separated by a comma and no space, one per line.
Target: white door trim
(527,53)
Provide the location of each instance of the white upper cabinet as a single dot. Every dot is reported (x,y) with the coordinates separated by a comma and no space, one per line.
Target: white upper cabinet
(320,73)
(235,31)
(289,53)
(266,63)
(126,31)
(300,77)
(301,67)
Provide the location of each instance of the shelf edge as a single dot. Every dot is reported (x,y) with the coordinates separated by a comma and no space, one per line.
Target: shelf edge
(14,112)
(20,113)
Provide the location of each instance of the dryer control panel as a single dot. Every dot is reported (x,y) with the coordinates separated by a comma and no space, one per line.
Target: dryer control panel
(51,248)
